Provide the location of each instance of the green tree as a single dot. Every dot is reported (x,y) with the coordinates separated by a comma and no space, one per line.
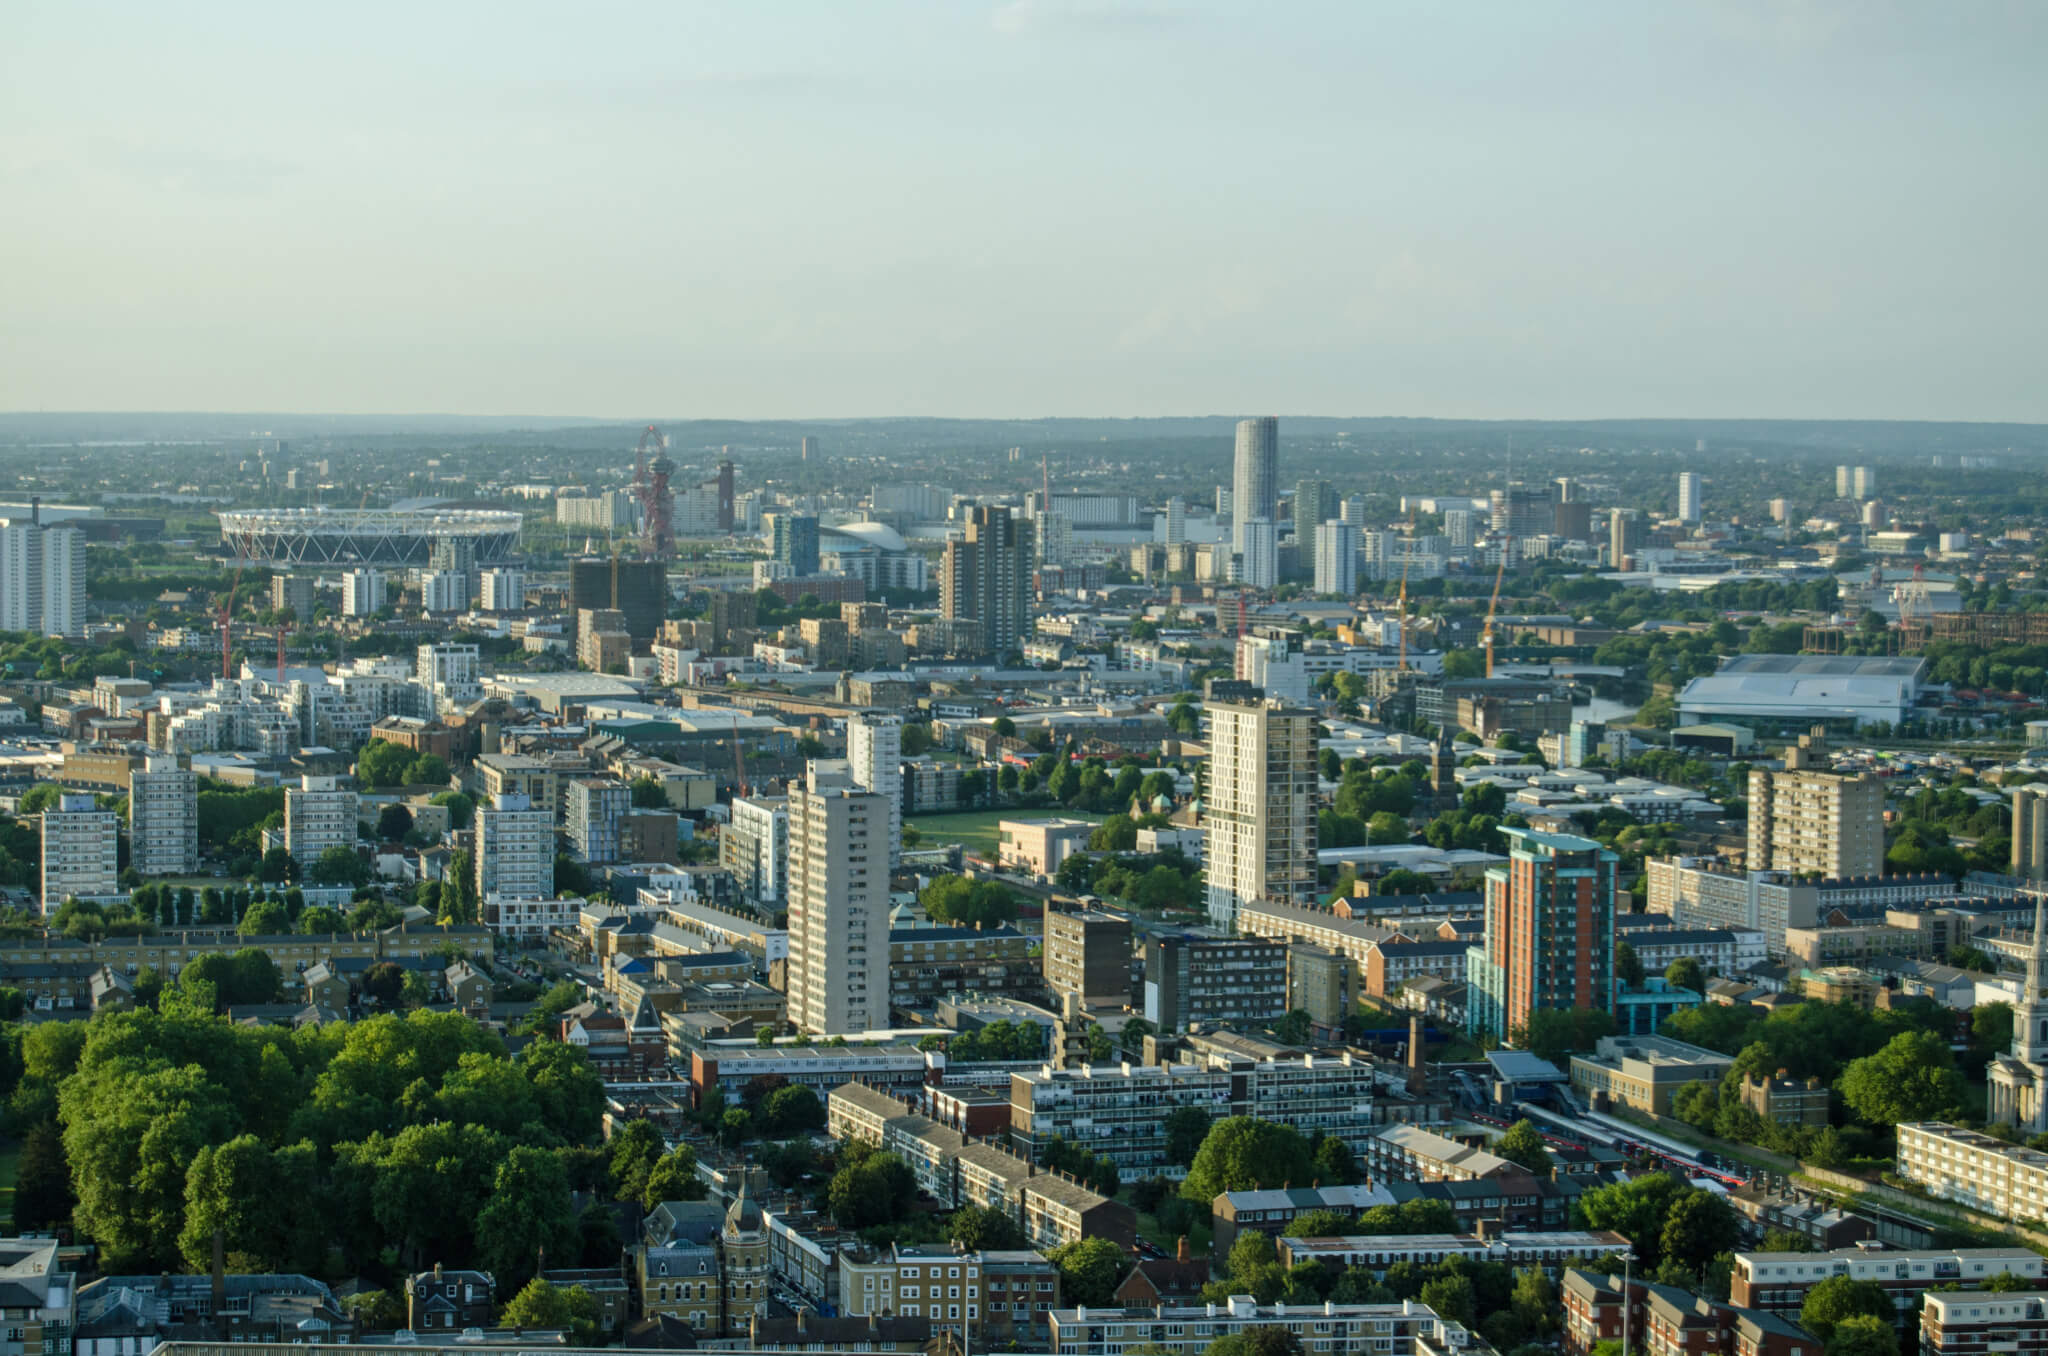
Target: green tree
(266,918)
(1556,1034)
(381,763)
(529,1213)
(1913,1078)
(648,794)
(130,1138)
(1698,1227)
(792,1111)
(673,1178)
(278,866)
(1628,967)
(980,1230)
(543,1306)
(968,903)
(42,1187)
(1241,1153)
(1523,1143)
(870,1187)
(394,821)
(1089,1270)
(1685,973)
(1863,1335)
(339,866)
(1842,1297)
(1452,1297)
(1635,1209)
(631,1154)
(1186,1127)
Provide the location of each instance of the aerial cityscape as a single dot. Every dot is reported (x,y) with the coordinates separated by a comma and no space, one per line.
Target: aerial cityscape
(1088,849)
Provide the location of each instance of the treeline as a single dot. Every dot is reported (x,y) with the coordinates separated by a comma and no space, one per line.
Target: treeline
(371,1149)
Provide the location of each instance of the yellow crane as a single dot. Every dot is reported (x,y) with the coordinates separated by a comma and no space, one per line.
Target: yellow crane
(1493,605)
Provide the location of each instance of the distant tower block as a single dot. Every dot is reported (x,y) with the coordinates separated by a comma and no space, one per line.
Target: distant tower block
(809,448)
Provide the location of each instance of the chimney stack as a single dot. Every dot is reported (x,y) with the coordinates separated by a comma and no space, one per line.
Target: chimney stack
(1418,1075)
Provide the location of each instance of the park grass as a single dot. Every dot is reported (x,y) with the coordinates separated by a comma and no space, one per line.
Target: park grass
(976,830)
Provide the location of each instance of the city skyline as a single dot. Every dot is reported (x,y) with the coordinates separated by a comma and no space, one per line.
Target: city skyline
(1028,208)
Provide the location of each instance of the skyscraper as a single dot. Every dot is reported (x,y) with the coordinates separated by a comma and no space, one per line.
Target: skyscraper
(1458,528)
(1843,482)
(1314,502)
(1689,487)
(986,578)
(81,847)
(2030,832)
(1812,821)
(1258,552)
(163,818)
(725,495)
(319,813)
(515,852)
(1864,483)
(1259,820)
(1549,933)
(362,593)
(1176,521)
(1336,559)
(808,449)
(1255,487)
(636,589)
(874,753)
(793,541)
(838,905)
(1625,537)
(42,579)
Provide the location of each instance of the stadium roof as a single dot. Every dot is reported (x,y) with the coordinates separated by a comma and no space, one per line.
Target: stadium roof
(1861,688)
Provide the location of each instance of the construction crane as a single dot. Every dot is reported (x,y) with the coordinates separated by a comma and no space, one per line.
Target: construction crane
(1493,604)
(227,610)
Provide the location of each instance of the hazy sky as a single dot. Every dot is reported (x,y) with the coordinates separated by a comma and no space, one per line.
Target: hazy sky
(768,208)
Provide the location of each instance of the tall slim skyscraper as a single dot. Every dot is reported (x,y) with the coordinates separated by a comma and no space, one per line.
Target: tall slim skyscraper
(163,818)
(1864,483)
(1689,496)
(1549,933)
(2030,832)
(808,449)
(1336,559)
(1259,820)
(986,578)
(63,581)
(1176,521)
(1843,482)
(874,753)
(838,905)
(1458,528)
(42,578)
(725,502)
(1255,487)
(1625,536)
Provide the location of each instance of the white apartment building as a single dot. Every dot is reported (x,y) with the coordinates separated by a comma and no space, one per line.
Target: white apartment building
(1275,665)
(1409,1328)
(874,753)
(81,852)
(444,591)
(450,673)
(1256,561)
(1260,816)
(1337,558)
(515,851)
(42,578)
(754,846)
(362,593)
(1975,1170)
(163,818)
(614,509)
(838,905)
(504,590)
(319,813)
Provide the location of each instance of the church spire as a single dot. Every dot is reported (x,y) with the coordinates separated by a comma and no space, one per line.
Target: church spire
(2034,994)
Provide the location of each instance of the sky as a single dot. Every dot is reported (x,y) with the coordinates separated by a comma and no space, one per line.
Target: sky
(786,209)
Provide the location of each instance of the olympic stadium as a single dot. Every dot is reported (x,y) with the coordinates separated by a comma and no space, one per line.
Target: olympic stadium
(329,536)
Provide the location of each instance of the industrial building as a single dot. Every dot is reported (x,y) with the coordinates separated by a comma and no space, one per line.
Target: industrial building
(1781,690)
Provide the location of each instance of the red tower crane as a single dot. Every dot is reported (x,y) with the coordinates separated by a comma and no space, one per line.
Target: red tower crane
(227,610)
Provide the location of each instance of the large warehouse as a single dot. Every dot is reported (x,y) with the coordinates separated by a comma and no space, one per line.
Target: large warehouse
(330,536)
(1772,690)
